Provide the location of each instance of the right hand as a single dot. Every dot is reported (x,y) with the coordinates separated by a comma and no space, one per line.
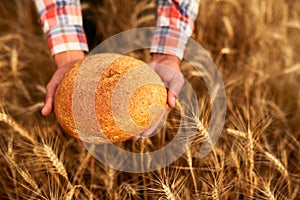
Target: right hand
(167,67)
(63,62)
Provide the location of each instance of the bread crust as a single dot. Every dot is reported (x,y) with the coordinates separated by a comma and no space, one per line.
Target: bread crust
(129,98)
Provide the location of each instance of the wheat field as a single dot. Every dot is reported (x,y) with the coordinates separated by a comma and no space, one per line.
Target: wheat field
(256,46)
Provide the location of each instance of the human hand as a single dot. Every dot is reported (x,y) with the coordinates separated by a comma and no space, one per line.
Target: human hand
(63,62)
(167,67)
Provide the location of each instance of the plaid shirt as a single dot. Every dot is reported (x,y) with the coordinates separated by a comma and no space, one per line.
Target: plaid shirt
(175,24)
(62,24)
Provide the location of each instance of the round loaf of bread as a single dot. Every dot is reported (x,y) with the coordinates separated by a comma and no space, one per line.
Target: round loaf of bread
(109,98)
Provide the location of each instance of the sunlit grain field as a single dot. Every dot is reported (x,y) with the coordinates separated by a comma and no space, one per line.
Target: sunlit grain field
(256,46)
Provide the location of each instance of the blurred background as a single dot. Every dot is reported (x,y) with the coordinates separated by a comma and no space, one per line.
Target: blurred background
(256,46)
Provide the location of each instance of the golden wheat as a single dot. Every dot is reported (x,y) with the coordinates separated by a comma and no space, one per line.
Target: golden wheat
(14,125)
(190,164)
(255,45)
(47,156)
(277,164)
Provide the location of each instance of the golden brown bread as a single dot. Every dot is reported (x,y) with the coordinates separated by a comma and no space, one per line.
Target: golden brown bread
(127,98)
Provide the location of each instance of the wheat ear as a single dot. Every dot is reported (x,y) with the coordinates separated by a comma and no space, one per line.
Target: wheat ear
(46,153)
(18,128)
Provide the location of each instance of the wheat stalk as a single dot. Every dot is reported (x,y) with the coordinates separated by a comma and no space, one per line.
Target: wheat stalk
(128,189)
(108,179)
(295,193)
(168,192)
(236,162)
(9,157)
(190,164)
(47,156)
(236,133)
(57,164)
(269,193)
(88,192)
(168,184)
(277,164)
(70,194)
(14,62)
(250,161)
(27,177)
(83,164)
(18,128)
(215,193)
(207,137)
(35,107)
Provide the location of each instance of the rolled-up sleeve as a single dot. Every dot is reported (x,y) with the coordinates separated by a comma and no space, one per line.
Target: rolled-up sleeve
(62,24)
(175,24)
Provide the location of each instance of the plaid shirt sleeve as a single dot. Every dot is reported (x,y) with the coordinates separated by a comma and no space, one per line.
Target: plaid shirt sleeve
(62,24)
(175,24)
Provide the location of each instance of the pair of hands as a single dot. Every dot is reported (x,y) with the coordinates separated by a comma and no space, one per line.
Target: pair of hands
(166,66)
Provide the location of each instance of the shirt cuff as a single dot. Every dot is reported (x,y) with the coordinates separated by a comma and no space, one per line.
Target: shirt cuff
(66,37)
(169,40)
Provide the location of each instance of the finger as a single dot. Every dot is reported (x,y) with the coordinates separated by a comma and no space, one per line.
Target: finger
(136,138)
(171,99)
(154,127)
(175,84)
(51,88)
(158,123)
(47,109)
(151,129)
(173,79)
